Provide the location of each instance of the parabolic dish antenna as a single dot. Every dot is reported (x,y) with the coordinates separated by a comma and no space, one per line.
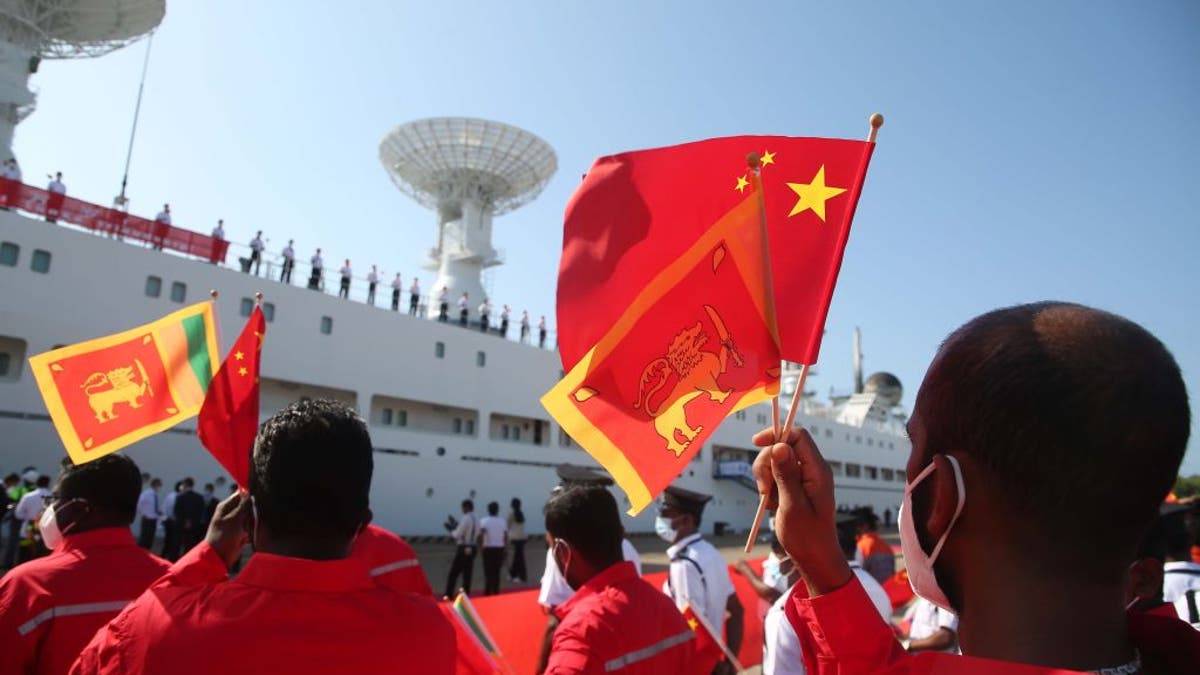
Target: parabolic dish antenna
(31,30)
(468,170)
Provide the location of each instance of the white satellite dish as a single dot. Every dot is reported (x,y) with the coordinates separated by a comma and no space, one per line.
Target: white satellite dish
(468,170)
(31,30)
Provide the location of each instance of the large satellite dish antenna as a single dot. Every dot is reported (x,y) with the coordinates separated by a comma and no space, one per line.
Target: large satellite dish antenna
(31,30)
(468,170)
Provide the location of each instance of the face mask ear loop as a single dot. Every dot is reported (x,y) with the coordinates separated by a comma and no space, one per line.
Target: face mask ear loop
(962,499)
(920,477)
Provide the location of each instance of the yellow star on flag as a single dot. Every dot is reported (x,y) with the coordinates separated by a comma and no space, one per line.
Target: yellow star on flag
(243,372)
(239,356)
(692,623)
(741,184)
(814,195)
(767,158)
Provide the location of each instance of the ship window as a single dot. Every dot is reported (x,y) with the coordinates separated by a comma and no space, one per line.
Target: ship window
(153,286)
(326,325)
(858,439)
(835,468)
(741,414)
(470,427)
(872,472)
(441,452)
(887,474)
(871,442)
(385,416)
(12,355)
(853,470)
(401,418)
(439,350)
(458,425)
(891,445)
(247,306)
(5,363)
(178,291)
(269,311)
(9,252)
(480,359)
(40,262)
(516,432)
(504,432)
(829,433)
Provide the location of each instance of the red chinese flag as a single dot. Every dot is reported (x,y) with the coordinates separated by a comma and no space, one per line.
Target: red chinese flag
(229,417)
(708,651)
(694,344)
(638,210)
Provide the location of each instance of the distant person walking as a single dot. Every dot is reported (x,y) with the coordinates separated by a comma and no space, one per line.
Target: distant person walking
(493,537)
(517,573)
(465,533)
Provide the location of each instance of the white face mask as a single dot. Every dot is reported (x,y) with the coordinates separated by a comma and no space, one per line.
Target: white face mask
(564,566)
(662,526)
(920,566)
(48,526)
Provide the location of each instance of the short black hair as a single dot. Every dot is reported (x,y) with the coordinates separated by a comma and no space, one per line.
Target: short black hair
(847,534)
(111,484)
(493,508)
(12,478)
(43,481)
(1176,536)
(310,472)
(188,482)
(586,517)
(468,504)
(1079,417)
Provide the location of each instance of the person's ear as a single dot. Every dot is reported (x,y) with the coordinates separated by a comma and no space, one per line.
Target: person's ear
(1146,579)
(943,495)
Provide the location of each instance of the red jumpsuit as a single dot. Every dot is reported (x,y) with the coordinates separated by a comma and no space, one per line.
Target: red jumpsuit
(841,633)
(279,615)
(618,622)
(391,561)
(50,607)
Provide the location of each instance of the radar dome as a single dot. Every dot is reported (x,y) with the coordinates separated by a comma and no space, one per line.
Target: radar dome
(887,386)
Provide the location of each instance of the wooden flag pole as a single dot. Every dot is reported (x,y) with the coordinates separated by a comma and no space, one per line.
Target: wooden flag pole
(876,121)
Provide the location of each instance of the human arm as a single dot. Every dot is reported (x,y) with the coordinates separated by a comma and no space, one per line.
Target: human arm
(940,641)
(761,589)
(734,626)
(570,653)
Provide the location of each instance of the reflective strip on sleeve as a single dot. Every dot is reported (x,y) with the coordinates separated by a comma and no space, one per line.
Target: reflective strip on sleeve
(71,610)
(392,567)
(648,652)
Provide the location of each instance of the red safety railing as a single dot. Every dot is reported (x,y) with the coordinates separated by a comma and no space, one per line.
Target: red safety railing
(105,220)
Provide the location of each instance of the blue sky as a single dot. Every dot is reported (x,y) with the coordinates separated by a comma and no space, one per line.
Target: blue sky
(1032,150)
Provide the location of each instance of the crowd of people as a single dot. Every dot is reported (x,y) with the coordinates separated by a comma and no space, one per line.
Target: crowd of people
(1037,530)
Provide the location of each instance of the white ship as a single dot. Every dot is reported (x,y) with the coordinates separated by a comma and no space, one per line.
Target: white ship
(454,412)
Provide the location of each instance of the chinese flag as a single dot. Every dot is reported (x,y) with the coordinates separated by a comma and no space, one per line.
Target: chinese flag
(635,212)
(229,417)
(708,649)
(694,343)
(109,392)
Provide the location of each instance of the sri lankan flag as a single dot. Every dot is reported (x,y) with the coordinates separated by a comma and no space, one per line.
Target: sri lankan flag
(477,651)
(106,393)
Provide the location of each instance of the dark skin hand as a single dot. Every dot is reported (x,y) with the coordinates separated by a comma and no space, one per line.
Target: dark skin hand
(228,532)
(760,589)
(799,487)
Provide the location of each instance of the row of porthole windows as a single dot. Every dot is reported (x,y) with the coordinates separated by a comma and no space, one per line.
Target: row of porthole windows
(851,470)
(439,351)
(10,256)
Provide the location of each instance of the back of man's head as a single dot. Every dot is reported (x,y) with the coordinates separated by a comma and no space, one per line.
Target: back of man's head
(586,517)
(847,534)
(310,473)
(493,508)
(1079,419)
(110,485)
(187,483)
(468,505)
(43,481)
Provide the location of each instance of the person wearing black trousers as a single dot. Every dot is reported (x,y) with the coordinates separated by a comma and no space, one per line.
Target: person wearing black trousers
(517,573)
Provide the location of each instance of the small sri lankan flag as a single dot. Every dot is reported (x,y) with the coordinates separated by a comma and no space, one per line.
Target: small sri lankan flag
(107,393)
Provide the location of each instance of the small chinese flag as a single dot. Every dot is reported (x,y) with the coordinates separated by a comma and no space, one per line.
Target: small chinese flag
(229,419)
(695,343)
(107,393)
(708,648)
(635,212)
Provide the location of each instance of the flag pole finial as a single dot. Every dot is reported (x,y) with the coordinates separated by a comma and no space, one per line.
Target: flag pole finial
(876,121)
(258,298)
(753,160)
(213,294)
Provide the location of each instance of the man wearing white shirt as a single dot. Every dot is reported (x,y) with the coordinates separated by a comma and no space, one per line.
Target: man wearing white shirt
(466,535)
(462,310)
(13,173)
(485,310)
(164,216)
(1181,576)
(58,192)
(933,628)
(318,269)
(504,314)
(171,542)
(414,296)
(289,261)
(524,327)
(698,576)
(162,224)
(396,288)
(372,281)
(493,539)
(256,249)
(218,234)
(148,513)
(28,511)
(444,304)
(542,332)
(344,288)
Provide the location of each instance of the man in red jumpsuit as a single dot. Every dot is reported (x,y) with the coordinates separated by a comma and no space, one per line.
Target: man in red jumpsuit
(615,621)
(301,604)
(391,561)
(1044,438)
(51,607)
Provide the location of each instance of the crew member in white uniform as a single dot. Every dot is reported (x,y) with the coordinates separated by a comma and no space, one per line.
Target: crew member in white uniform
(444,304)
(933,628)
(781,645)
(504,314)
(289,261)
(524,327)
(219,231)
(414,296)
(372,281)
(698,576)
(13,173)
(1180,576)
(256,249)
(397,286)
(344,289)
(318,270)
(162,223)
(542,332)
(58,191)
(462,310)
(485,311)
